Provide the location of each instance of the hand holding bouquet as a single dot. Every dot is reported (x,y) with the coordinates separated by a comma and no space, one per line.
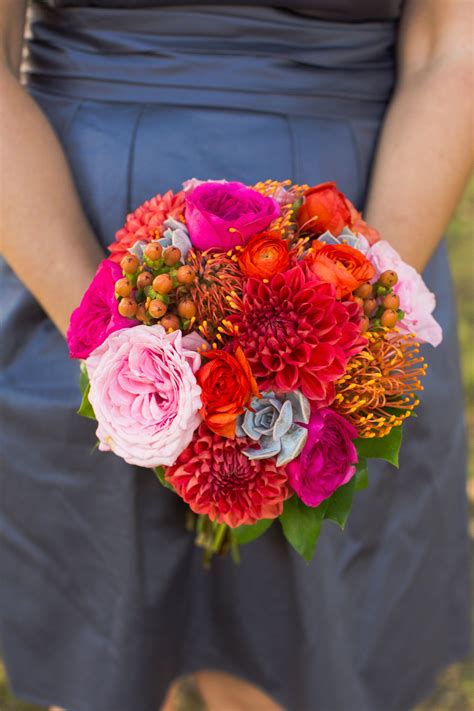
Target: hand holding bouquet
(254,346)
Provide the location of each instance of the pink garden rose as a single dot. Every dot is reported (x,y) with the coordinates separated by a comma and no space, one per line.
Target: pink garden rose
(416,300)
(97,315)
(327,460)
(224,215)
(145,395)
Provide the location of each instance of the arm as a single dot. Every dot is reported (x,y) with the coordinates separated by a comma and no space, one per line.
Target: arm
(425,152)
(45,236)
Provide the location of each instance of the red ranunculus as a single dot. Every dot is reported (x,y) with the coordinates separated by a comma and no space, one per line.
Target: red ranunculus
(324,208)
(265,255)
(341,265)
(227,386)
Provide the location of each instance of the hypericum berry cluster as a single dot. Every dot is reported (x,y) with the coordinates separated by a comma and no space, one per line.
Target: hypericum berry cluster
(380,305)
(156,289)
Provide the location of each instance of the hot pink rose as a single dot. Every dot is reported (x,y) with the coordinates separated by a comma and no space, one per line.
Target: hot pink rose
(97,315)
(416,300)
(327,460)
(145,395)
(224,215)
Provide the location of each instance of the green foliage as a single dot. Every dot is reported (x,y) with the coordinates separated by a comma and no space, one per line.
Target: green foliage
(160,475)
(340,503)
(246,534)
(361,476)
(85,408)
(302,525)
(387,447)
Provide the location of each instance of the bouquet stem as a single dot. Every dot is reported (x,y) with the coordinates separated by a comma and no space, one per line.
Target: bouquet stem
(214,538)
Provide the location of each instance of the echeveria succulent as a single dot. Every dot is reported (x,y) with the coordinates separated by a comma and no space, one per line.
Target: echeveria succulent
(357,241)
(275,423)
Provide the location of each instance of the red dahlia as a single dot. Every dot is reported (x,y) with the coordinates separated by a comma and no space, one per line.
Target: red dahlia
(215,478)
(146,223)
(297,335)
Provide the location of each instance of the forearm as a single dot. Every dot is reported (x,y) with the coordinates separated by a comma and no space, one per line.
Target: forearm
(45,236)
(424,158)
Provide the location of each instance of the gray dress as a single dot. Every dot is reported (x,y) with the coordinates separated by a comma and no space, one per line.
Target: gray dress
(103,598)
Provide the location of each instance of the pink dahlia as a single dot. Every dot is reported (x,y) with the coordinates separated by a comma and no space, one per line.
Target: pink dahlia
(146,223)
(214,477)
(297,335)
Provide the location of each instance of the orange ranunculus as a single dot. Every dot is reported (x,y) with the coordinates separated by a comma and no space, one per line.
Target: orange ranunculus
(227,386)
(265,255)
(360,226)
(324,208)
(341,265)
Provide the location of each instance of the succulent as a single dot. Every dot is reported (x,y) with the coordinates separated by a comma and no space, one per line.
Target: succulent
(346,237)
(176,235)
(275,423)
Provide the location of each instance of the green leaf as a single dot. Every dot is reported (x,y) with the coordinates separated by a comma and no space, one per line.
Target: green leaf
(160,475)
(387,447)
(302,525)
(85,408)
(340,503)
(246,534)
(362,475)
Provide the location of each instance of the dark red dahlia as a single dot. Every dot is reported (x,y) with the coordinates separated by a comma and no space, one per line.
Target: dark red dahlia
(146,222)
(297,335)
(214,477)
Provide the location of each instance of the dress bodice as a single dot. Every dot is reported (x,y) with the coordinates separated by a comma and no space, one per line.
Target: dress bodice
(344,10)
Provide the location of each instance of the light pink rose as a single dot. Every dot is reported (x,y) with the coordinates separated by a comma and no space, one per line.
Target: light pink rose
(416,300)
(145,395)
(224,215)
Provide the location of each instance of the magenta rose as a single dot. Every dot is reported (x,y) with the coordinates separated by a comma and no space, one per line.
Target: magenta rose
(97,315)
(327,460)
(223,215)
(145,395)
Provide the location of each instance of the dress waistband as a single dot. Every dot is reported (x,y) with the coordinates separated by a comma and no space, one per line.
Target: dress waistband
(255,58)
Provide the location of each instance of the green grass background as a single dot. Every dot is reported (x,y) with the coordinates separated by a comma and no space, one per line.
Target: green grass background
(455,688)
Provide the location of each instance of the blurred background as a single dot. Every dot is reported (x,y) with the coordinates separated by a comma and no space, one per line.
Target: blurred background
(455,688)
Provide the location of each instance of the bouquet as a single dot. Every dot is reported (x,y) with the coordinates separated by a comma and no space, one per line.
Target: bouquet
(254,346)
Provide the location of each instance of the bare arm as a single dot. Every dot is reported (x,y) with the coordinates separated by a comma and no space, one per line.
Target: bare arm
(426,149)
(44,234)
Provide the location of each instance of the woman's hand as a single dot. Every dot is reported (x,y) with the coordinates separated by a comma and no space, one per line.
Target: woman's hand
(45,236)
(425,153)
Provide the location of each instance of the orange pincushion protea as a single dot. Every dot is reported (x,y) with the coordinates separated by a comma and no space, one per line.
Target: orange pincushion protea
(378,389)
(218,280)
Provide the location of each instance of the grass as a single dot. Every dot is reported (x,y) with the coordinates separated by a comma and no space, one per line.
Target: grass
(455,688)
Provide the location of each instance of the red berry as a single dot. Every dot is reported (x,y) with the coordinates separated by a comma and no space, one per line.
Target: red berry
(388,278)
(141,314)
(359,300)
(144,279)
(187,308)
(128,307)
(170,321)
(389,318)
(369,306)
(157,308)
(364,324)
(171,255)
(130,263)
(123,287)
(153,251)
(365,290)
(391,301)
(162,284)
(186,275)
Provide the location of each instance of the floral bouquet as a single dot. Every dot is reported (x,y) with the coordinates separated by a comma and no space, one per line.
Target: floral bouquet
(254,346)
